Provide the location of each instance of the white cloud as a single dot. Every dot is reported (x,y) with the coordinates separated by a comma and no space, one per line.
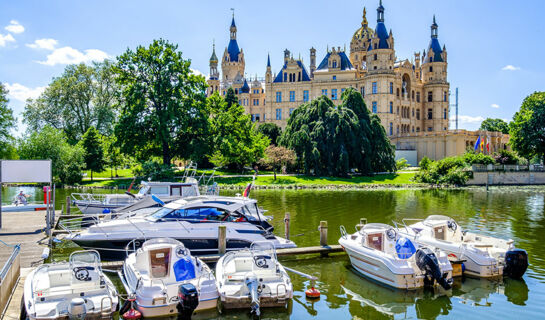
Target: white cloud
(47,44)
(15,27)
(69,55)
(510,67)
(4,39)
(198,73)
(466,122)
(19,92)
(495,106)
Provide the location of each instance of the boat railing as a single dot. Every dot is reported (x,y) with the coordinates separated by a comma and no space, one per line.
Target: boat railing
(343,232)
(9,274)
(284,295)
(88,197)
(77,224)
(105,312)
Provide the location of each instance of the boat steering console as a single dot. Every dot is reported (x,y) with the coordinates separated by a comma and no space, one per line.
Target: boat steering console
(81,274)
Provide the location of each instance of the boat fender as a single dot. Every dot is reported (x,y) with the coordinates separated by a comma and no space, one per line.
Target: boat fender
(312,293)
(427,262)
(77,309)
(516,263)
(128,311)
(45,253)
(188,300)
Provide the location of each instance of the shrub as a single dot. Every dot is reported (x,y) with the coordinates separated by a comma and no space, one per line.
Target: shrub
(506,157)
(450,170)
(155,171)
(424,164)
(477,158)
(401,164)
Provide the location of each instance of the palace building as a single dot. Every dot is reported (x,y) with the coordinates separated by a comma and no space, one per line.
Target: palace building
(411,98)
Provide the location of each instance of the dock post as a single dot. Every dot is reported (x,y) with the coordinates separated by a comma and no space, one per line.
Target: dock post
(68,205)
(287,226)
(323,236)
(222,239)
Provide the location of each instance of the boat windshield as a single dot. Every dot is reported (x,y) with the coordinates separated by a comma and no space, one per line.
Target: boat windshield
(144,190)
(204,213)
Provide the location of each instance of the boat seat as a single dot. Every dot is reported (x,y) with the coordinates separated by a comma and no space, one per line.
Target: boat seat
(243,265)
(59,278)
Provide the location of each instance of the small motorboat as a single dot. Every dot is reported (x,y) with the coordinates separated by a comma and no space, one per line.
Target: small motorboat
(253,278)
(74,289)
(166,280)
(378,252)
(485,256)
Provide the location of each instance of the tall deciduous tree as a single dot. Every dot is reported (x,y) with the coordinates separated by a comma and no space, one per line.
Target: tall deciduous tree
(7,123)
(278,157)
(82,97)
(235,140)
(527,129)
(94,152)
(162,104)
(332,140)
(496,125)
(271,130)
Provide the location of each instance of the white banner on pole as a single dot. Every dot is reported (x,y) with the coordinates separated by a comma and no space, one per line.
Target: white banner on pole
(32,171)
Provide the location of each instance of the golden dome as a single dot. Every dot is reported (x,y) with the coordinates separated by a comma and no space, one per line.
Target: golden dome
(365,32)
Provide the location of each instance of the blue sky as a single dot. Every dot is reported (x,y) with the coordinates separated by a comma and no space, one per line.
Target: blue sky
(496,51)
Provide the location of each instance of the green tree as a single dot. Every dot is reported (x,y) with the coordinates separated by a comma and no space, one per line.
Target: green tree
(7,123)
(332,140)
(527,129)
(94,152)
(270,130)
(50,143)
(278,157)
(162,104)
(82,97)
(496,125)
(235,140)
(113,156)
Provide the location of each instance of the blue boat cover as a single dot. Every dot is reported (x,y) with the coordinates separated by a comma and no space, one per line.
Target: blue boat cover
(184,269)
(404,248)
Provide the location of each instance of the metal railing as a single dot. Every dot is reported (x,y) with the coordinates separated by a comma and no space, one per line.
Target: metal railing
(507,168)
(9,274)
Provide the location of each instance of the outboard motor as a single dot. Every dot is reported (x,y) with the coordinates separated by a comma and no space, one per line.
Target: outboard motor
(253,286)
(188,300)
(77,309)
(427,262)
(516,263)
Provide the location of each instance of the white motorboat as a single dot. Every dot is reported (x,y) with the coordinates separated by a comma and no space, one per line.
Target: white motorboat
(193,221)
(378,252)
(253,278)
(166,280)
(74,289)
(485,256)
(93,204)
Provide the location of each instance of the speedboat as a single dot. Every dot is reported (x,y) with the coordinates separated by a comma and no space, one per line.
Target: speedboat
(378,252)
(485,256)
(74,289)
(193,221)
(166,280)
(94,204)
(253,278)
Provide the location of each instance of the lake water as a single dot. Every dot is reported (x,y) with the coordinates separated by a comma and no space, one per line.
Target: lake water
(515,213)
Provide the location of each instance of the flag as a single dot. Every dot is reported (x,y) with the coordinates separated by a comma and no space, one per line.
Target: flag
(488,145)
(482,146)
(477,144)
(246,192)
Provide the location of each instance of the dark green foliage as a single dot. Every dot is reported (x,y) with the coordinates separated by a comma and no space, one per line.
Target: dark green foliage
(82,97)
(527,129)
(471,157)
(162,104)
(425,163)
(50,143)
(497,125)
(155,171)
(506,157)
(7,122)
(270,130)
(236,142)
(93,151)
(332,140)
(450,170)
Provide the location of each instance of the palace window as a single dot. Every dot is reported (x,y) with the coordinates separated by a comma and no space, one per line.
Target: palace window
(334,65)
(374,88)
(431,68)
(342,90)
(397,111)
(334,77)
(362,91)
(413,95)
(333,94)
(292,96)
(430,114)
(430,96)
(413,112)
(236,91)
(397,92)
(391,88)
(391,107)
(285,77)
(253,117)
(418,97)
(445,114)
(374,107)
(430,129)
(417,114)
(305,96)
(324,92)
(445,96)
(278,96)
(397,130)
(278,114)
(417,129)
(391,128)
(375,57)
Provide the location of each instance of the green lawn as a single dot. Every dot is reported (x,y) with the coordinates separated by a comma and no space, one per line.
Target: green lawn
(393,178)
(120,183)
(122,173)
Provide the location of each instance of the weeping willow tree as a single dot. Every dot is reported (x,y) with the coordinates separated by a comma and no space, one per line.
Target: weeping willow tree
(333,140)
